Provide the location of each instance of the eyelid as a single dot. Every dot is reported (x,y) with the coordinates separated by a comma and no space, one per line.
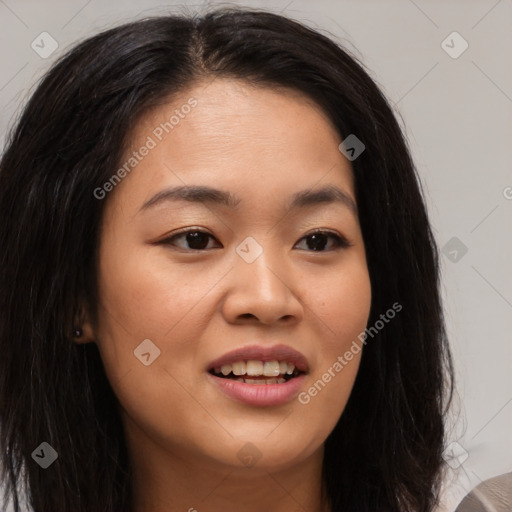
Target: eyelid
(188,230)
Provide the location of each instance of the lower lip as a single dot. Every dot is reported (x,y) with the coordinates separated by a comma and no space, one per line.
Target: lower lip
(260,394)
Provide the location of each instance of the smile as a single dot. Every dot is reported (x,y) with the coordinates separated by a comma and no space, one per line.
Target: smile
(259,376)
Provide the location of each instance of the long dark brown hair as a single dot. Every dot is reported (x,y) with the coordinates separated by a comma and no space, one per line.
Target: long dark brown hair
(385,453)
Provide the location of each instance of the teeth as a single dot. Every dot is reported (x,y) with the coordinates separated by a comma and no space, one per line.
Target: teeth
(280,380)
(271,369)
(254,381)
(239,368)
(254,368)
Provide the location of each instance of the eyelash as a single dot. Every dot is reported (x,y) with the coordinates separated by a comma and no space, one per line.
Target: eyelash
(341,241)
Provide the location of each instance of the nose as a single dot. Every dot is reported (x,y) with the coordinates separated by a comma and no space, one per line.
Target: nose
(264,291)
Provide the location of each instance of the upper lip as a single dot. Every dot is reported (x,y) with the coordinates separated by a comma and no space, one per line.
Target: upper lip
(259,353)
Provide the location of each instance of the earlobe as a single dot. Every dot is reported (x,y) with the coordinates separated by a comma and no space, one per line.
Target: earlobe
(83,333)
(77,332)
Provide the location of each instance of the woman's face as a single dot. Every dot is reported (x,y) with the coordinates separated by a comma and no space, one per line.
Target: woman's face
(245,285)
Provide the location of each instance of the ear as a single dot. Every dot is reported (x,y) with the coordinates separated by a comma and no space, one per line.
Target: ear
(83,331)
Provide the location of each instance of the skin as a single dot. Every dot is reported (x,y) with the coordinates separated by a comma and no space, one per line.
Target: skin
(183,434)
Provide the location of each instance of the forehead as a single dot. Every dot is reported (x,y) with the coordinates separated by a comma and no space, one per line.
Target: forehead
(256,140)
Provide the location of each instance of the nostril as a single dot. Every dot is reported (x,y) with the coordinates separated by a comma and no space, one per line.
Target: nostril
(247,315)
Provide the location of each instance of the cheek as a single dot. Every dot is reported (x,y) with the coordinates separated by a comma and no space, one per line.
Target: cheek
(138,302)
(341,299)
(322,402)
(341,302)
(146,295)
(143,299)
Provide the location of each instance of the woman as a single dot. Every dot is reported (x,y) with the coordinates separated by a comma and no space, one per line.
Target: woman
(219,286)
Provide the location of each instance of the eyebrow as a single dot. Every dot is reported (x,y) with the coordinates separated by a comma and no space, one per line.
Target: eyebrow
(328,194)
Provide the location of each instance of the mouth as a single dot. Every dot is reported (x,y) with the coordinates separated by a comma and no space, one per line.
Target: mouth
(260,376)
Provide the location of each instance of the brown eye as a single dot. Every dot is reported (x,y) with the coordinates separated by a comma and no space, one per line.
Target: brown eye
(319,240)
(194,240)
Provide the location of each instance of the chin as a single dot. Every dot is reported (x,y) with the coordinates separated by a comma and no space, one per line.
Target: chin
(264,452)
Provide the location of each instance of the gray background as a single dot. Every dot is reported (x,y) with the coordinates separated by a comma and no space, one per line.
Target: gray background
(457,116)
